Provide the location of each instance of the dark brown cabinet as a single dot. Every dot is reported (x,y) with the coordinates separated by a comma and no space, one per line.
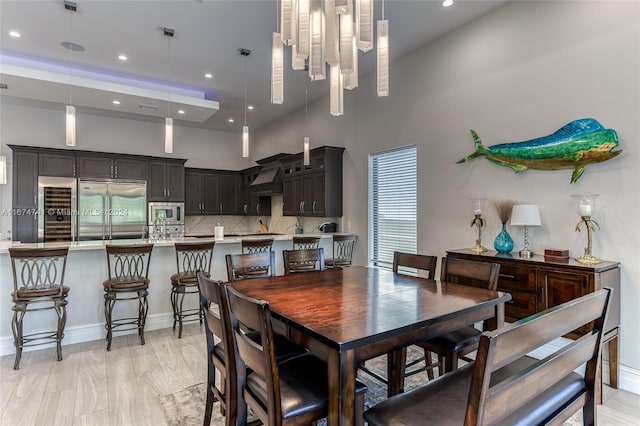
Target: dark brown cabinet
(165,180)
(25,196)
(210,192)
(111,167)
(249,203)
(57,164)
(315,189)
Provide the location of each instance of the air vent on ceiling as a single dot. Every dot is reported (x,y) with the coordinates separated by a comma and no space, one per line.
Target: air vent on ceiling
(148,107)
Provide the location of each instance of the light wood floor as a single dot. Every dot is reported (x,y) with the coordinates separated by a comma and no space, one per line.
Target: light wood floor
(119,388)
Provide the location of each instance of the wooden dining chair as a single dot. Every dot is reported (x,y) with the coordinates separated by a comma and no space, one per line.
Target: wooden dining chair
(222,354)
(291,392)
(505,386)
(456,344)
(343,246)
(303,243)
(254,265)
(303,260)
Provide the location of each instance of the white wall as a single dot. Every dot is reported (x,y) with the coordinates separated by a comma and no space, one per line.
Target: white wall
(519,72)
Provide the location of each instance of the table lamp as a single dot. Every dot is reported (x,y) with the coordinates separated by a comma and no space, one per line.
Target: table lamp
(525,215)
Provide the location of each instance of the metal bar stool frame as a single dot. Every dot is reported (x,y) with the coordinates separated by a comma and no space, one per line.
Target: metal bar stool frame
(40,282)
(305,243)
(128,267)
(343,246)
(191,258)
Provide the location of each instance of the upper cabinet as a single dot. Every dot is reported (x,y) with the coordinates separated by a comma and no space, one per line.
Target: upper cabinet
(112,167)
(25,195)
(210,192)
(165,181)
(315,189)
(59,164)
(251,204)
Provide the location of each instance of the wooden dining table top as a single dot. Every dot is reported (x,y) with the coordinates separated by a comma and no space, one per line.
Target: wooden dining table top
(346,308)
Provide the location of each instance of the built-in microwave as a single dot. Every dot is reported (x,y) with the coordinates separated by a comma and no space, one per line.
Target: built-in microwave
(171,213)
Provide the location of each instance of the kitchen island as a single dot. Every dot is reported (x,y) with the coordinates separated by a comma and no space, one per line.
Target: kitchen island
(87,269)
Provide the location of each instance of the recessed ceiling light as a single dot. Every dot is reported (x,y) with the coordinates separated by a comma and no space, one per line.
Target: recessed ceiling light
(250,107)
(230,120)
(208,75)
(180,111)
(75,47)
(122,57)
(116,102)
(15,34)
(447,3)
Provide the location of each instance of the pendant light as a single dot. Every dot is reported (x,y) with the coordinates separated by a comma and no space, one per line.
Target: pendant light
(245,128)
(70,110)
(305,143)
(383,56)
(168,121)
(277,64)
(3,170)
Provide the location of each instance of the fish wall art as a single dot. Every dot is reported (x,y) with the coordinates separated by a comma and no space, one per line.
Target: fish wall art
(574,146)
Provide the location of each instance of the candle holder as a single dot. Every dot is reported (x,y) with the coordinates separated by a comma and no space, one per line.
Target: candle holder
(477,205)
(586,208)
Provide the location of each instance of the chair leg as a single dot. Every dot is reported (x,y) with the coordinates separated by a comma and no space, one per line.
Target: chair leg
(174,297)
(19,310)
(428,360)
(61,311)
(180,299)
(143,307)
(451,362)
(441,367)
(359,408)
(109,302)
(208,409)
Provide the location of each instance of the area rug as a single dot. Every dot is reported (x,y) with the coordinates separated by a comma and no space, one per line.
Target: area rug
(186,407)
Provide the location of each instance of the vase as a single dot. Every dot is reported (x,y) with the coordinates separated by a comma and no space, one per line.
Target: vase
(503,242)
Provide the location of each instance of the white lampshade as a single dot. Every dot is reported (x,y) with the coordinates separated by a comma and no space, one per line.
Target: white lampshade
(168,135)
(525,214)
(383,59)
(245,141)
(71,126)
(317,64)
(346,42)
(302,31)
(364,24)
(3,170)
(277,70)
(305,150)
(335,91)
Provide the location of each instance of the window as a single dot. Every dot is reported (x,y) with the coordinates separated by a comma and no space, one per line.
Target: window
(393,189)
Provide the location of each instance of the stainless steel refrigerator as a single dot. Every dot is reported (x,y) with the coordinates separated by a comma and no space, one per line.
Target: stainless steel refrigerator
(111,210)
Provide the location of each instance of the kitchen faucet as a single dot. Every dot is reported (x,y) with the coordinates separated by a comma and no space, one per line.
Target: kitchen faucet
(160,226)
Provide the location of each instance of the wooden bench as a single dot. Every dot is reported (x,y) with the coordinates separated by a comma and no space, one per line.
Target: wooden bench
(504,385)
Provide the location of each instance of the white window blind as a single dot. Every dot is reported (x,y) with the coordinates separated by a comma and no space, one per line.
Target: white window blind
(393,180)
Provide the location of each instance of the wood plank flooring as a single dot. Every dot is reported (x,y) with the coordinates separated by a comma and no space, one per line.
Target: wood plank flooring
(120,388)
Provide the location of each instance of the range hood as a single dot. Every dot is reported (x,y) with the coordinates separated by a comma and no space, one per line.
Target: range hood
(268,181)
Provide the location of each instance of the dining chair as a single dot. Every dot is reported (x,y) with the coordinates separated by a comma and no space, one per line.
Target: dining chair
(306,260)
(303,243)
(342,251)
(190,259)
(38,284)
(221,351)
(254,265)
(291,392)
(506,386)
(128,269)
(458,343)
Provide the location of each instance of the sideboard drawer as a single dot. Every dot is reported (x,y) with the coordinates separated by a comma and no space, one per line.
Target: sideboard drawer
(521,304)
(517,278)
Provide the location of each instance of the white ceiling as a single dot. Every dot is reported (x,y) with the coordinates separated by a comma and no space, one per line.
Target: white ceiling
(208,34)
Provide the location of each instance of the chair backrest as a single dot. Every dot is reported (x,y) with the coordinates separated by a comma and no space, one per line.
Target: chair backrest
(255,265)
(470,272)
(193,257)
(215,306)
(128,263)
(38,268)
(261,245)
(303,243)
(343,249)
(303,260)
(252,314)
(421,262)
(490,402)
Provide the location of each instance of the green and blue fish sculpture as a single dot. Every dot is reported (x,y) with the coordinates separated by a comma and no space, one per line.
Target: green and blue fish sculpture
(575,145)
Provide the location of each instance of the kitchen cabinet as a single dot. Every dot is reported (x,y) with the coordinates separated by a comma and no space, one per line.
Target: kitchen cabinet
(57,164)
(165,180)
(24,217)
(249,203)
(315,189)
(536,285)
(111,167)
(210,192)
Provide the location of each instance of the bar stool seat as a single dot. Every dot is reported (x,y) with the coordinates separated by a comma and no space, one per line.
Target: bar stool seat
(27,294)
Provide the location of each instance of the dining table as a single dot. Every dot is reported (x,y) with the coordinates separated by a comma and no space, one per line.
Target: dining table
(346,316)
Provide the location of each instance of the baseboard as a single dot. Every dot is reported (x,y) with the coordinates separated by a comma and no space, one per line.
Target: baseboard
(88,333)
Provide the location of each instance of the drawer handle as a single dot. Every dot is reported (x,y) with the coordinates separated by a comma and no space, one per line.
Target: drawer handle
(506,276)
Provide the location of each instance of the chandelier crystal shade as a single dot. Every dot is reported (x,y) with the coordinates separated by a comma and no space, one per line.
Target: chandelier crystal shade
(277,70)
(336,91)
(383,59)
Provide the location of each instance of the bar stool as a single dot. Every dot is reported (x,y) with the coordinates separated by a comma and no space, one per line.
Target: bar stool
(261,245)
(191,258)
(342,251)
(38,279)
(305,243)
(128,267)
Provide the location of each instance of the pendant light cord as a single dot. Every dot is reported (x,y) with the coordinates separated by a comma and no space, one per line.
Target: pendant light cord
(277,16)
(383,10)
(245,90)
(69,54)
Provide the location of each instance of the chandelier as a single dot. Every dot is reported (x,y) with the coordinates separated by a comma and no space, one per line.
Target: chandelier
(329,33)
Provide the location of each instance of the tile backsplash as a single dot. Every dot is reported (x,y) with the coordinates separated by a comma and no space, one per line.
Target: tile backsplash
(277,223)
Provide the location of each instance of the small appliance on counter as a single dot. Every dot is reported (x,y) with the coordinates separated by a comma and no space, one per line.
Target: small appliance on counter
(328,227)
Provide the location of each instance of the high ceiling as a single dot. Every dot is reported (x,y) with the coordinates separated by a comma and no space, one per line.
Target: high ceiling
(37,69)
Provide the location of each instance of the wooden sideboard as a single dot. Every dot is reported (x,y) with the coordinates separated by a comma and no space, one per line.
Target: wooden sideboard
(536,284)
